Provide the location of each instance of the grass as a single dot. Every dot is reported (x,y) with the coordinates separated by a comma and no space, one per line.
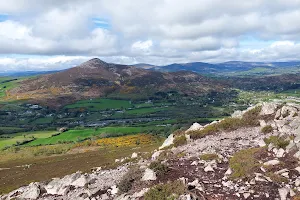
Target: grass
(249,119)
(55,166)
(80,135)
(180,140)
(166,191)
(209,156)
(159,168)
(277,178)
(267,129)
(45,120)
(129,178)
(100,104)
(142,111)
(19,137)
(10,130)
(244,163)
(6,84)
(278,142)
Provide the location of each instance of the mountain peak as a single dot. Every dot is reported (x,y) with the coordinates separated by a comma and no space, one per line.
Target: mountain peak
(93,63)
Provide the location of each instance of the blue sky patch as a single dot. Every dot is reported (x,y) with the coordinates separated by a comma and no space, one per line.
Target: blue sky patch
(3,17)
(101,23)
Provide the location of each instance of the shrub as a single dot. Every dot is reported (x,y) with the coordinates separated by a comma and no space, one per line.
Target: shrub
(229,124)
(180,140)
(55,134)
(165,191)
(159,168)
(279,142)
(244,163)
(129,178)
(267,129)
(209,156)
(210,129)
(250,118)
(277,178)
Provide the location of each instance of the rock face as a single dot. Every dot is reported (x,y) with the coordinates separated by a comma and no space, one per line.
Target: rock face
(167,142)
(149,175)
(74,186)
(195,127)
(204,166)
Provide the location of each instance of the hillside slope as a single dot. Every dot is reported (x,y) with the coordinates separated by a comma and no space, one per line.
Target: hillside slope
(232,68)
(96,78)
(252,155)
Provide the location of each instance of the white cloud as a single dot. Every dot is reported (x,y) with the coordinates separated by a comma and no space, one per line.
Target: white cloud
(144,46)
(153,31)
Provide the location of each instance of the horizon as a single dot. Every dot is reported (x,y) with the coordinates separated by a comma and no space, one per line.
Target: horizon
(55,35)
(65,68)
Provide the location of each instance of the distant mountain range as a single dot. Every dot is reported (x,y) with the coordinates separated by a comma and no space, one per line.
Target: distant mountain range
(27,73)
(232,68)
(96,78)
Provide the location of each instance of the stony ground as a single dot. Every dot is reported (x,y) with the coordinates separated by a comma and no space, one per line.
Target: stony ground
(260,162)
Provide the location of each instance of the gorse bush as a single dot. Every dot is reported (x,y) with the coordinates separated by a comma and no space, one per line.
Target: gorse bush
(250,118)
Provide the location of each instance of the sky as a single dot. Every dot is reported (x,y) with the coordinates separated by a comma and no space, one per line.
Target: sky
(57,34)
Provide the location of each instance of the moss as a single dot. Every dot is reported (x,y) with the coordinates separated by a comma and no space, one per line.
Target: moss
(129,178)
(166,191)
(267,129)
(277,178)
(180,155)
(244,163)
(180,140)
(295,115)
(159,168)
(209,156)
(278,142)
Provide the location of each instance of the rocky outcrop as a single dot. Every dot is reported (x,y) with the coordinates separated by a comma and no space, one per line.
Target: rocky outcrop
(195,127)
(74,186)
(167,142)
(206,166)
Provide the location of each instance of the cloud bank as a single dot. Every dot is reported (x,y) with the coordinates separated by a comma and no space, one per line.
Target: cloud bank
(55,34)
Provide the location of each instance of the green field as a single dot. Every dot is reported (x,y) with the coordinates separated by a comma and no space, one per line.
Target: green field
(293,92)
(77,135)
(45,120)
(7,83)
(100,104)
(19,137)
